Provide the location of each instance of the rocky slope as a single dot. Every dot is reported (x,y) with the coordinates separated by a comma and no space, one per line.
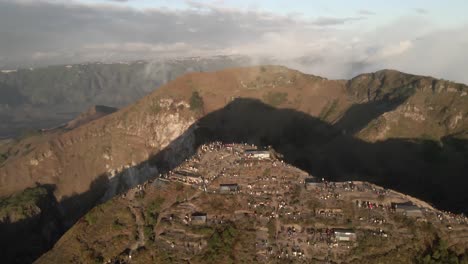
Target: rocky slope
(397,130)
(382,105)
(50,96)
(30,223)
(184,217)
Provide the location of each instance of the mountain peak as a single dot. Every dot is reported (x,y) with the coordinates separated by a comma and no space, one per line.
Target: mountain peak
(385,128)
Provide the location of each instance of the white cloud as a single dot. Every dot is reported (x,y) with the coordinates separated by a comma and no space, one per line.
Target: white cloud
(335,47)
(392,50)
(366,12)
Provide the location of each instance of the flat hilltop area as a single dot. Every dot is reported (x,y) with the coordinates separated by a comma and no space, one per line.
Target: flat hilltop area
(236,203)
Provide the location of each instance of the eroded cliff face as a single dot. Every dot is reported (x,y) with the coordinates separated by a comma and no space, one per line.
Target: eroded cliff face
(106,156)
(399,105)
(114,150)
(88,165)
(434,110)
(99,159)
(173,124)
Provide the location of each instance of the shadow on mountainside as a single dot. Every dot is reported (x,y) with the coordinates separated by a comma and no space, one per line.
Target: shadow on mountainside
(432,171)
(358,116)
(25,240)
(381,93)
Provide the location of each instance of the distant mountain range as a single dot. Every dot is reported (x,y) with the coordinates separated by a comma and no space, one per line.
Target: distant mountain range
(397,130)
(45,97)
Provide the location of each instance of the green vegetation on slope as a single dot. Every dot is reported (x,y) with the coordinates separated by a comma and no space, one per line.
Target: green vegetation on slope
(28,133)
(275,98)
(91,217)
(439,253)
(220,245)
(3,157)
(22,205)
(196,102)
(328,110)
(151,217)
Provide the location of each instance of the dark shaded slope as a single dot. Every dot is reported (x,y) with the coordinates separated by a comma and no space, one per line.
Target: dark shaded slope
(41,220)
(422,168)
(428,170)
(377,93)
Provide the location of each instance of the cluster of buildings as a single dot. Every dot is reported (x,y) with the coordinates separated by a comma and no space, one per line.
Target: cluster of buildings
(277,201)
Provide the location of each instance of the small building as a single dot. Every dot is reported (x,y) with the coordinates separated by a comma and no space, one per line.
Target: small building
(198,218)
(229,188)
(195,179)
(409,209)
(187,177)
(258,154)
(326,211)
(345,235)
(312,183)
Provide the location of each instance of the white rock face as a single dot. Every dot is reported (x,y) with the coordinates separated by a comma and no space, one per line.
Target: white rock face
(452,90)
(106,156)
(455,120)
(412,112)
(34,162)
(170,130)
(166,102)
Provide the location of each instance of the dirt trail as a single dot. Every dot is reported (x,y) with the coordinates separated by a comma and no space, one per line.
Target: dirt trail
(135,208)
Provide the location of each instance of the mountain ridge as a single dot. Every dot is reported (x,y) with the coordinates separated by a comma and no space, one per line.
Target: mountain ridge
(317,124)
(181,89)
(272,211)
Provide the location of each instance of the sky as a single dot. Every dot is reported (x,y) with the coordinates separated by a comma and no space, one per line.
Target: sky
(331,38)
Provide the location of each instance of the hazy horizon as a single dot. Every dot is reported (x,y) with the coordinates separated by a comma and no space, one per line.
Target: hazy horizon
(327,38)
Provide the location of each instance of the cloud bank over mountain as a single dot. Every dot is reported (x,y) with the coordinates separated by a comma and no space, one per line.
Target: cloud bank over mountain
(56,32)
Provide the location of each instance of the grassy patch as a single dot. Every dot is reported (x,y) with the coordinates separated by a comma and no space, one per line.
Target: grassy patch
(296,194)
(438,253)
(155,106)
(221,245)
(203,230)
(20,205)
(165,256)
(149,233)
(179,186)
(117,225)
(271,230)
(28,134)
(275,98)
(91,217)
(196,102)
(153,209)
(328,110)
(217,204)
(3,157)
(369,245)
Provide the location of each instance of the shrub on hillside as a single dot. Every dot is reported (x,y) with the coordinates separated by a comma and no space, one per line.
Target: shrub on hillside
(196,102)
(439,253)
(22,205)
(275,98)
